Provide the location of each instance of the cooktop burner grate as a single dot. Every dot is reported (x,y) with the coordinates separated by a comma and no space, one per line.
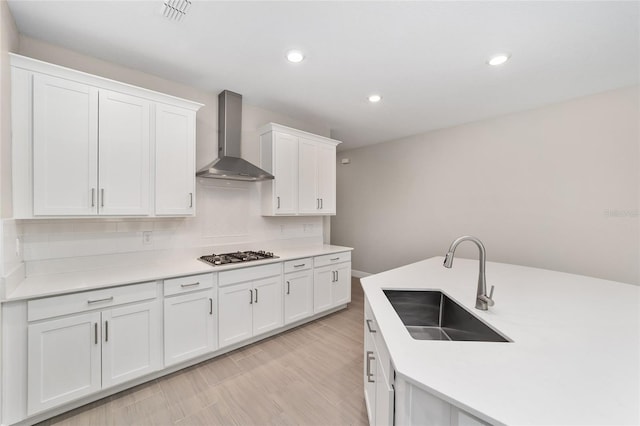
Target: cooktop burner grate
(236,257)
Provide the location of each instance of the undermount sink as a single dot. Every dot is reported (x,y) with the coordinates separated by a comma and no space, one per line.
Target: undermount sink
(432,315)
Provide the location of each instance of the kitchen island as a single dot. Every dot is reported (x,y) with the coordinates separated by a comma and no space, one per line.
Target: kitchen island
(574,355)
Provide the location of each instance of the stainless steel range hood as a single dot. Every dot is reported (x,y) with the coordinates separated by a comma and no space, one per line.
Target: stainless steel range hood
(229,164)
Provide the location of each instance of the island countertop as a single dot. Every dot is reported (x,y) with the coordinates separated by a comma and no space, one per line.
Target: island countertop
(574,356)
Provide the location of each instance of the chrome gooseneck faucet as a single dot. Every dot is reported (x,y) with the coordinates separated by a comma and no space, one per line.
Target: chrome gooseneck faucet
(482,300)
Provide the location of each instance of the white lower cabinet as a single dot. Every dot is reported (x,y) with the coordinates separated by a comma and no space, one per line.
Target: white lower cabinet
(392,400)
(190,326)
(332,286)
(378,375)
(78,346)
(80,354)
(190,317)
(298,296)
(64,360)
(250,303)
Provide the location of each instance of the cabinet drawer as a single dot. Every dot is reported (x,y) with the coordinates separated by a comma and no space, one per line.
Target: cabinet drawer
(80,302)
(329,259)
(190,283)
(298,265)
(249,274)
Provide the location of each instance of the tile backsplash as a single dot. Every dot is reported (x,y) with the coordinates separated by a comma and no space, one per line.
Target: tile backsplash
(228,215)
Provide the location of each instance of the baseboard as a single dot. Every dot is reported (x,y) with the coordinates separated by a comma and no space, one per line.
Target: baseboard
(359,274)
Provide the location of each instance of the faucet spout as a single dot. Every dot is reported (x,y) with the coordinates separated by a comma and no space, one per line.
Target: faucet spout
(483,301)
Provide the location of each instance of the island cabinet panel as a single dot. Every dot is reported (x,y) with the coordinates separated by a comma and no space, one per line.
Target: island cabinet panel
(378,377)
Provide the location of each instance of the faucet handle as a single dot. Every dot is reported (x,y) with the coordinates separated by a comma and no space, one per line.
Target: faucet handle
(487,299)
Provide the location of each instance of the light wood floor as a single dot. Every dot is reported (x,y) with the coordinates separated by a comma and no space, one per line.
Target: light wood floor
(311,375)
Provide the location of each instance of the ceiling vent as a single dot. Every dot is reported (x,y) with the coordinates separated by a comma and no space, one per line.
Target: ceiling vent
(175,9)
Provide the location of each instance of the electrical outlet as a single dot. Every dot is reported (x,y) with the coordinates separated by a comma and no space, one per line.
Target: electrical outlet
(146,237)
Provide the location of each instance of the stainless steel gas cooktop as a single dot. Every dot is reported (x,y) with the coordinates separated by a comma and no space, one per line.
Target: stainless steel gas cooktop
(237,257)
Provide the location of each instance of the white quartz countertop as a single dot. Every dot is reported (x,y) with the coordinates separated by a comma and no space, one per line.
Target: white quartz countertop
(575,355)
(166,266)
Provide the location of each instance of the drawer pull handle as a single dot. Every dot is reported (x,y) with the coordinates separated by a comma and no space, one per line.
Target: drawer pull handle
(278,202)
(190,285)
(288,287)
(371,330)
(210,306)
(321,203)
(93,197)
(256,295)
(369,373)
(334,259)
(190,199)
(299,266)
(106,299)
(106,331)
(102,197)
(95,333)
(250,296)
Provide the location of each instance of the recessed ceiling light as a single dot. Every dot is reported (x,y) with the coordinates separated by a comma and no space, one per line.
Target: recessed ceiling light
(498,59)
(374,98)
(295,56)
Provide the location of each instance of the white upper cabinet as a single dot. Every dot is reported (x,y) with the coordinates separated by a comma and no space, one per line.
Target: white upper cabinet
(65,147)
(123,153)
(175,160)
(83,145)
(304,166)
(317,190)
(279,156)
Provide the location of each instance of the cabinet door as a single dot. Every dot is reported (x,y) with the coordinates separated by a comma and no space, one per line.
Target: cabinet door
(175,139)
(285,170)
(189,326)
(131,342)
(63,360)
(322,283)
(308,200)
(65,147)
(341,282)
(384,398)
(326,166)
(267,306)
(235,320)
(298,296)
(369,377)
(123,154)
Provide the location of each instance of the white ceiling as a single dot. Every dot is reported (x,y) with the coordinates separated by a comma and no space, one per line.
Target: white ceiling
(427,59)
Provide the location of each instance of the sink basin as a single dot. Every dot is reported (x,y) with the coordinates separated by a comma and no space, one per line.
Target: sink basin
(432,315)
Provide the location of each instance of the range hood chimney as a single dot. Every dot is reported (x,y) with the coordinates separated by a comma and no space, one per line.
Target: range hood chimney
(229,164)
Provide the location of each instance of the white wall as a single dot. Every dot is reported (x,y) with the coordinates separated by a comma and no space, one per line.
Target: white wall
(556,187)
(228,213)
